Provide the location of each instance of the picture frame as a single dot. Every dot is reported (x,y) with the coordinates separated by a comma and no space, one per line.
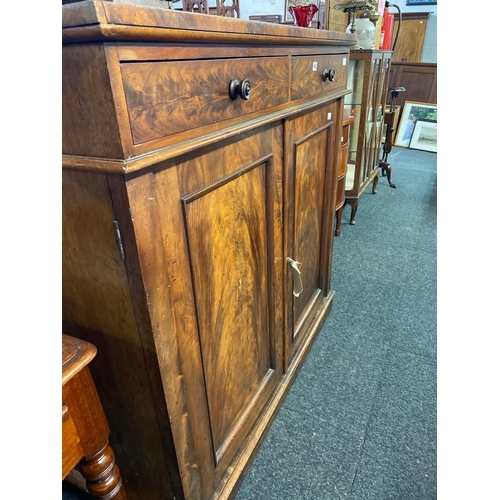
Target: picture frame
(413,111)
(295,3)
(424,136)
(421,2)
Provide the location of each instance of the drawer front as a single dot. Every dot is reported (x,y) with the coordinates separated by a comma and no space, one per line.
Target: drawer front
(72,451)
(343,160)
(344,140)
(307,74)
(340,198)
(167,97)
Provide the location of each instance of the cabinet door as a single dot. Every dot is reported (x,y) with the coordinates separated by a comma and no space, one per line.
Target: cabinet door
(310,171)
(209,230)
(374,118)
(411,38)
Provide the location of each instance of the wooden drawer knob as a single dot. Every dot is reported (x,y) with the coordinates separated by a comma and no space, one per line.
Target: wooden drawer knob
(328,74)
(241,89)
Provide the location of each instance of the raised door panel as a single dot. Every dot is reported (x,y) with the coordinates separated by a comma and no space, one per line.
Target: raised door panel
(228,248)
(410,40)
(311,193)
(219,220)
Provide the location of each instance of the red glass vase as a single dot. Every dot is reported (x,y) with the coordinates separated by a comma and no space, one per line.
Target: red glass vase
(303,14)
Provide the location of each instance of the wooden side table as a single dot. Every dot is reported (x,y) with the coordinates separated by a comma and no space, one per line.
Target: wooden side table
(347,120)
(85,430)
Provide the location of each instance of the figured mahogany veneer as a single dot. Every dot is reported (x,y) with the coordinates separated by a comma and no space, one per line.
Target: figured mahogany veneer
(308,82)
(164,98)
(187,210)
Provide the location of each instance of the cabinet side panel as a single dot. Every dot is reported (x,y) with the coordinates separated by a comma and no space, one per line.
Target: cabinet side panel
(156,211)
(89,122)
(97,308)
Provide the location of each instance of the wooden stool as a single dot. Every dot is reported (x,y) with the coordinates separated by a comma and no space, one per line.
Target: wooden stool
(85,430)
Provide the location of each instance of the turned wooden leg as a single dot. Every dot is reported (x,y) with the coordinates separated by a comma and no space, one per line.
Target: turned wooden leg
(354,209)
(389,170)
(103,475)
(375,182)
(338,220)
(86,424)
(386,168)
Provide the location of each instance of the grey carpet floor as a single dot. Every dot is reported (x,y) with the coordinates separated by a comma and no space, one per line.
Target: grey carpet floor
(360,420)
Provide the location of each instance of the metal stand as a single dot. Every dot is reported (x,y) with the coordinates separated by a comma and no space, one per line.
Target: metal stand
(389,121)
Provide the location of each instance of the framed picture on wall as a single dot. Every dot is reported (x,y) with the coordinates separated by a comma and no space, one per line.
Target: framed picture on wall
(421,2)
(424,136)
(412,112)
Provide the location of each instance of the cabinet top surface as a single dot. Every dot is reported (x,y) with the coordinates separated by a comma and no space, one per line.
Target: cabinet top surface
(76,354)
(97,20)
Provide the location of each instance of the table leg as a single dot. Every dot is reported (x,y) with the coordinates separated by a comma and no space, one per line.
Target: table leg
(354,208)
(103,475)
(375,182)
(386,168)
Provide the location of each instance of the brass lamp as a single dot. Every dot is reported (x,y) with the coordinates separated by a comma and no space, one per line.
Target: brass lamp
(352,7)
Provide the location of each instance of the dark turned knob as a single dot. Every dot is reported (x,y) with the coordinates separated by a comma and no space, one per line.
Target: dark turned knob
(240,89)
(328,74)
(245,89)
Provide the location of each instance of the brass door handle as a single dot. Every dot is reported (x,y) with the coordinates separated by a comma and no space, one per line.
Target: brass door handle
(296,275)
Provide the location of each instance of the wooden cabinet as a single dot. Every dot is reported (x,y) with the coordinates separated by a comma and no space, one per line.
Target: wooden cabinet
(411,36)
(200,158)
(368,79)
(419,81)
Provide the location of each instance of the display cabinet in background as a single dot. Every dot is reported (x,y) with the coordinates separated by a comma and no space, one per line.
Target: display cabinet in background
(368,79)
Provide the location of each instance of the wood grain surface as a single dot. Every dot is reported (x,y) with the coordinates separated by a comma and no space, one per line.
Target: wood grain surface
(180,207)
(164,98)
(307,81)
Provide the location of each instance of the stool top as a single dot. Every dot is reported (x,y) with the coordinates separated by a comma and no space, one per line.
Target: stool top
(76,354)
